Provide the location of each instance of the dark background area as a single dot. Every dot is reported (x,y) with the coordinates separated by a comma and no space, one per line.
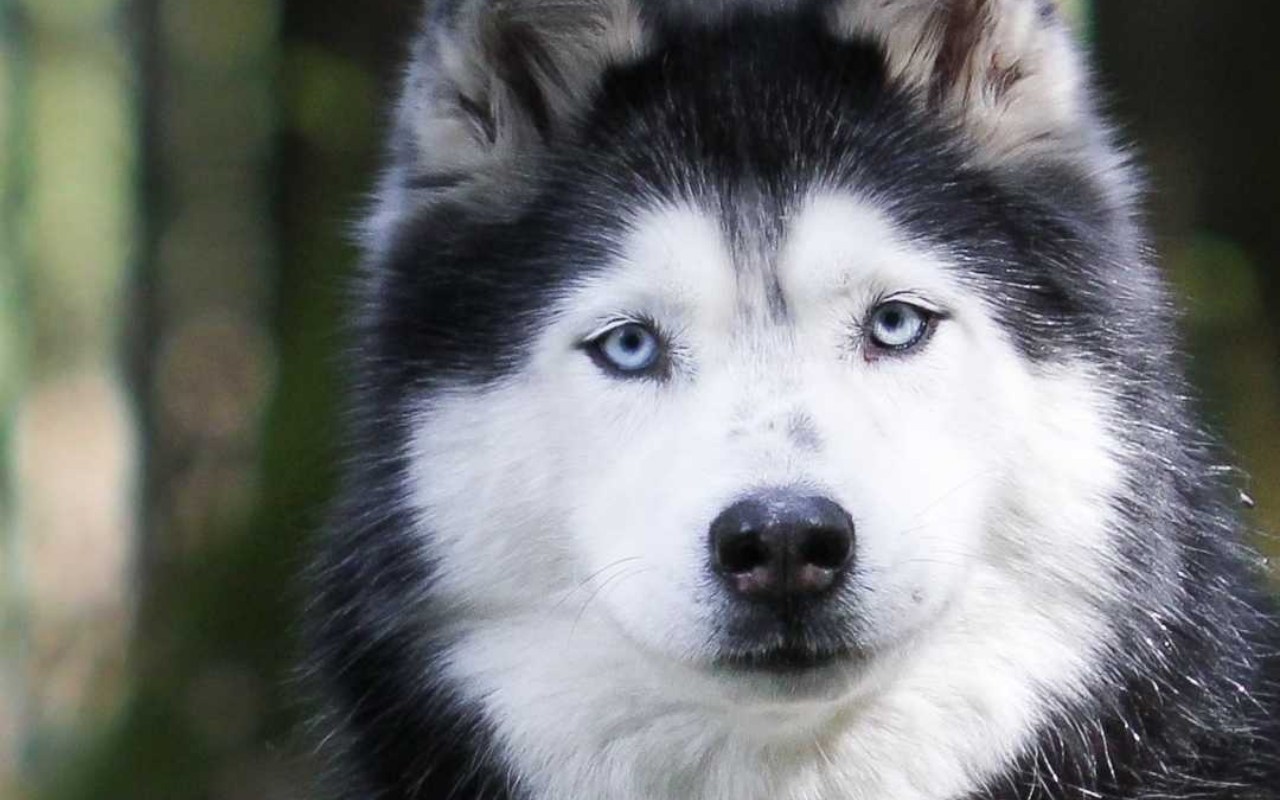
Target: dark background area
(180,180)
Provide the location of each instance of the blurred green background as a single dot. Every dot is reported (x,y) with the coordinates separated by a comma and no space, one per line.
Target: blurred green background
(179,179)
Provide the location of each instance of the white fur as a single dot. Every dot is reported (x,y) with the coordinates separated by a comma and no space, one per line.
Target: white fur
(569,513)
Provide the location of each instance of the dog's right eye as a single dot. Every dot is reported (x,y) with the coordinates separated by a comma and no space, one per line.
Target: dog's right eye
(898,327)
(631,349)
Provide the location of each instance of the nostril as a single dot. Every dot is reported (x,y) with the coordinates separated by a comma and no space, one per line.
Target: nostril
(741,552)
(826,548)
(779,546)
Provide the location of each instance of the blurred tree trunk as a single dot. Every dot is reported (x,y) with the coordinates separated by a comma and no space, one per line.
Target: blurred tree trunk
(14,689)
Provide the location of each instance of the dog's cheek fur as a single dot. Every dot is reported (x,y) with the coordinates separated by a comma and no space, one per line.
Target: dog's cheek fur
(484,465)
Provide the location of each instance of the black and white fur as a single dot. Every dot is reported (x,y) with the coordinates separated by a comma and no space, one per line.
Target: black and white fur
(1050,596)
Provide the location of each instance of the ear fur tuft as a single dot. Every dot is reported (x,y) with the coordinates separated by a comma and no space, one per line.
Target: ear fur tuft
(1006,70)
(492,79)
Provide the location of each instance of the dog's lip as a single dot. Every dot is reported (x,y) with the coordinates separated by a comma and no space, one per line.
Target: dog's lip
(786,659)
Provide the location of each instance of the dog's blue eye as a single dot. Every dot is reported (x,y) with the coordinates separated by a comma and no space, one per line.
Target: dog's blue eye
(898,326)
(630,348)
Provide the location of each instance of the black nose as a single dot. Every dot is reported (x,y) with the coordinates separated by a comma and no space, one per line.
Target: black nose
(782,545)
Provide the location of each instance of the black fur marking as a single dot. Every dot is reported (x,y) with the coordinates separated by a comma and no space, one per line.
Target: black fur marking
(395,730)
(445,180)
(480,116)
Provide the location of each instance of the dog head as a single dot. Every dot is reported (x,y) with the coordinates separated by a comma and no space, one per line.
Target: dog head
(762,341)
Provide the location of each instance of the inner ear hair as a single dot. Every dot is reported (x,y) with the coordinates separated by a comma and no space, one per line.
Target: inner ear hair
(492,81)
(1007,71)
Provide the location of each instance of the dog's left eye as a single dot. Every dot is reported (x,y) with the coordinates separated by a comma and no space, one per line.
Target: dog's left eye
(896,326)
(630,349)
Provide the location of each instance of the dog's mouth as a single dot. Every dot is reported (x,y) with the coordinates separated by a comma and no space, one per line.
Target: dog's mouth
(787,659)
(806,640)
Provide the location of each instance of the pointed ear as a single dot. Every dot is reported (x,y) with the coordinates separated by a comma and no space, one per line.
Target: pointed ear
(1007,70)
(493,79)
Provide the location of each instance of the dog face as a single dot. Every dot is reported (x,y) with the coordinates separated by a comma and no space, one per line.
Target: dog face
(764,393)
(689,374)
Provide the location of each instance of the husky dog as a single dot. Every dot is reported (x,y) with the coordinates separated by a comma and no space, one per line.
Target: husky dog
(776,400)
